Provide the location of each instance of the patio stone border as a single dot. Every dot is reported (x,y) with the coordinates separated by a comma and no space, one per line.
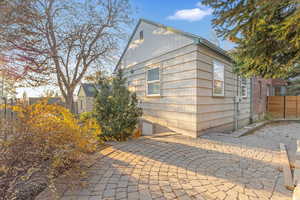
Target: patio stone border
(255,126)
(47,194)
(296,193)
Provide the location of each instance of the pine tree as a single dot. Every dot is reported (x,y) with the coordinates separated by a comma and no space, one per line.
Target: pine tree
(266,33)
(116,108)
(293,88)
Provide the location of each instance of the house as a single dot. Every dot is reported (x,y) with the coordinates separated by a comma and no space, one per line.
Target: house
(85,97)
(184,82)
(261,89)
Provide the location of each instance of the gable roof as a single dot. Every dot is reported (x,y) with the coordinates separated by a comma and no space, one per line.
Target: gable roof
(198,39)
(89,89)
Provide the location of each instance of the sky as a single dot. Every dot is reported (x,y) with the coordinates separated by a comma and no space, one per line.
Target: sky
(186,15)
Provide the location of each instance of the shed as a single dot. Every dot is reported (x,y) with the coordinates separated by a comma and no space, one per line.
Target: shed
(85,97)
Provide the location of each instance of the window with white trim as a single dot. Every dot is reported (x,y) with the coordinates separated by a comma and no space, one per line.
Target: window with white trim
(218,79)
(243,87)
(153,82)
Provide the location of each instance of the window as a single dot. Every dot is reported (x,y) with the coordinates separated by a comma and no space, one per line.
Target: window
(218,79)
(81,106)
(141,35)
(268,90)
(153,82)
(277,91)
(280,90)
(283,90)
(243,87)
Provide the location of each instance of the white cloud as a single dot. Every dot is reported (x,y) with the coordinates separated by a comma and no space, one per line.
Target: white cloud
(194,14)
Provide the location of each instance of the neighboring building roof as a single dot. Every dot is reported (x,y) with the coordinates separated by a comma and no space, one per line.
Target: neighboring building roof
(198,39)
(51,100)
(89,89)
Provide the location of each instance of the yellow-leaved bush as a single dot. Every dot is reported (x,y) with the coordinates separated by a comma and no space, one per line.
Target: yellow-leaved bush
(45,138)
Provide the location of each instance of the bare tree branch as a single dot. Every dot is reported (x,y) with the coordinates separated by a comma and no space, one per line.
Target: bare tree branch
(66,39)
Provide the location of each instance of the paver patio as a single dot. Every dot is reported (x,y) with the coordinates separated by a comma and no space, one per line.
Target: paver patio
(216,166)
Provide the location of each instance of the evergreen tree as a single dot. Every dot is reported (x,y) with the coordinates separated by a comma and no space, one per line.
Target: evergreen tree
(116,108)
(293,88)
(266,33)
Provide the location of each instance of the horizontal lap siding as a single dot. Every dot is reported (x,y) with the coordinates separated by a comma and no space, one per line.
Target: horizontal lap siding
(176,107)
(90,102)
(181,108)
(216,113)
(186,104)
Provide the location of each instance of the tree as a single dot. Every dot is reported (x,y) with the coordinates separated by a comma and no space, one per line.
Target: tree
(13,12)
(116,108)
(24,96)
(49,93)
(8,85)
(266,33)
(95,76)
(67,39)
(293,88)
(7,81)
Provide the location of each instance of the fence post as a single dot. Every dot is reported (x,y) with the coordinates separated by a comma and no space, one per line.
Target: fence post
(267,104)
(296,107)
(284,107)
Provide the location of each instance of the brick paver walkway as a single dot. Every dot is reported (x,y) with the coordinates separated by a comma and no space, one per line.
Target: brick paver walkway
(176,167)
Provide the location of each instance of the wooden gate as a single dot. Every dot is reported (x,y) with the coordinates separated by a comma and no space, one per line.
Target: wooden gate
(284,106)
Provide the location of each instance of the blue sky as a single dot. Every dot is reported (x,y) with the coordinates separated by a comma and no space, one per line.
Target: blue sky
(186,15)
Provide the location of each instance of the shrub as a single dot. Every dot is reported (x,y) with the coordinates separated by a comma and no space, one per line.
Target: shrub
(46,139)
(86,116)
(268,116)
(116,108)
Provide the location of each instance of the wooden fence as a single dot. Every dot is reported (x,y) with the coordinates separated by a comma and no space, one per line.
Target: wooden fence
(5,112)
(284,106)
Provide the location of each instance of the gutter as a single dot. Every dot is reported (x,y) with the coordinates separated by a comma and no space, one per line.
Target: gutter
(213,47)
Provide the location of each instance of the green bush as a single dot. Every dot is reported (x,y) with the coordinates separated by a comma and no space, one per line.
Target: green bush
(268,116)
(116,108)
(85,116)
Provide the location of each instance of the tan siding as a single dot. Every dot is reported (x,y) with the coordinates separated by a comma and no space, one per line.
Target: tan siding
(87,102)
(176,107)
(183,108)
(186,104)
(157,41)
(217,113)
(184,100)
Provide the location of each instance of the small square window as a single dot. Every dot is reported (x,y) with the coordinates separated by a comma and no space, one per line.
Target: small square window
(141,35)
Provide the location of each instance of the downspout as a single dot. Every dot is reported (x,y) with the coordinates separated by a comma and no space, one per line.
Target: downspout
(235,105)
(234,114)
(251,100)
